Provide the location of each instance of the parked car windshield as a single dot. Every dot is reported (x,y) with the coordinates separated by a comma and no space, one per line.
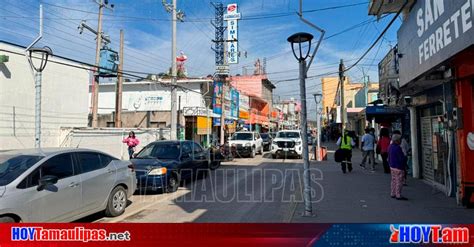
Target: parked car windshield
(13,166)
(159,151)
(242,136)
(288,135)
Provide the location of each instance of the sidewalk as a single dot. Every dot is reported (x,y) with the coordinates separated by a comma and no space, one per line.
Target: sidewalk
(364,197)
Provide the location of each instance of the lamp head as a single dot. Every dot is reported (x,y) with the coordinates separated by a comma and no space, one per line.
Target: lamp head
(318,97)
(43,54)
(300,38)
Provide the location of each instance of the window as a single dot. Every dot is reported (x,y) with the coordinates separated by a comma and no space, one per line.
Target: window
(197,148)
(59,166)
(11,167)
(187,148)
(105,159)
(89,161)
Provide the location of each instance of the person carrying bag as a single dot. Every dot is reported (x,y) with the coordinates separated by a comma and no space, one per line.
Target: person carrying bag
(345,144)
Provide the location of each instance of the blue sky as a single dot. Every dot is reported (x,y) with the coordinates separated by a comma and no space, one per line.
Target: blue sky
(148,35)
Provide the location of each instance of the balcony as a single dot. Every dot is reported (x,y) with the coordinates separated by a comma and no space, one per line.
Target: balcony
(380,7)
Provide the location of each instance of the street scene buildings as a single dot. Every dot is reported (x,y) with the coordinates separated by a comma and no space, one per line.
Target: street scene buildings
(265,127)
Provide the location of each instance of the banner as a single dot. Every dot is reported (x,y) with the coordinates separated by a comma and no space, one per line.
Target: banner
(234,103)
(216,98)
(194,234)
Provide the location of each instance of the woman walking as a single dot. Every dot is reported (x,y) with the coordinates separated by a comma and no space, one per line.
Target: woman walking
(131,142)
(397,161)
(382,148)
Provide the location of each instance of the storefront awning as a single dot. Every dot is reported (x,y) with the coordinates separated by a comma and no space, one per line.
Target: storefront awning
(384,113)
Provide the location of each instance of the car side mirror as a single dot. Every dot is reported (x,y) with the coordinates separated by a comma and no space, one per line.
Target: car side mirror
(46,181)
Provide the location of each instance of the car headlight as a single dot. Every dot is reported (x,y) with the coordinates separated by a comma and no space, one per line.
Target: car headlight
(248,144)
(298,143)
(157,171)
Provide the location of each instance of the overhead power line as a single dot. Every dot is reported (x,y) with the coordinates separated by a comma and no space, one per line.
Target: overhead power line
(205,19)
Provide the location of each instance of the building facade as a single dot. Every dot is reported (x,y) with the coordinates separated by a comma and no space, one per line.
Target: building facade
(436,84)
(64,100)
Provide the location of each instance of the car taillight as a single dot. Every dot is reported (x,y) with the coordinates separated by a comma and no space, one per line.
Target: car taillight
(132,167)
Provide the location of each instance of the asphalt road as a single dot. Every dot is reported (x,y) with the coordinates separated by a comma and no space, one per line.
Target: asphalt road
(244,190)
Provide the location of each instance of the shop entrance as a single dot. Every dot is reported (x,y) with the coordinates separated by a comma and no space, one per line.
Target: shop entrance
(434,146)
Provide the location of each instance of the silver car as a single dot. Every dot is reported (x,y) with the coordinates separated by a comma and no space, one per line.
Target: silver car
(62,185)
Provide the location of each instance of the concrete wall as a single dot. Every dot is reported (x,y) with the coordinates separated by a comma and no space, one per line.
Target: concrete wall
(109,140)
(64,99)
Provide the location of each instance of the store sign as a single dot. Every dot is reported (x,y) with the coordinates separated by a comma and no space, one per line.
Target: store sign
(434,31)
(217,98)
(217,121)
(196,111)
(204,125)
(148,101)
(232,17)
(234,103)
(244,102)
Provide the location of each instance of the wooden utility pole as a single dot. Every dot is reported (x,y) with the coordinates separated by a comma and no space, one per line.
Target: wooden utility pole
(95,85)
(118,92)
(341,81)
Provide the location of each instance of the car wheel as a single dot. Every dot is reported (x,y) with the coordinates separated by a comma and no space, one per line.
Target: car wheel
(7,219)
(173,183)
(117,202)
(215,165)
(274,156)
(252,154)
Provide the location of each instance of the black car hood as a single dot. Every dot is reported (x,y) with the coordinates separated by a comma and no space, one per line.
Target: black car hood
(150,163)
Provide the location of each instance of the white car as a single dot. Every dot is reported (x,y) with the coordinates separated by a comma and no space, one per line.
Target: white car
(247,143)
(62,185)
(287,143)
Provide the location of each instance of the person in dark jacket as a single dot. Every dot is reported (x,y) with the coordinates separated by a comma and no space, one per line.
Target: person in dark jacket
(397,162)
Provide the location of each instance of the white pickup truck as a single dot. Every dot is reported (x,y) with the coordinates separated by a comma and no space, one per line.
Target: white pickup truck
(287,143)
(247,143)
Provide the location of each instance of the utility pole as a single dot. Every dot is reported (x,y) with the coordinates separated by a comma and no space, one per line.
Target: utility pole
(118,93)
(341,81)
(95,86)
(175,15)
(220,56)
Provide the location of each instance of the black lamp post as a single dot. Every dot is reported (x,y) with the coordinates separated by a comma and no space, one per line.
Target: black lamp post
(41,54)
(300,55)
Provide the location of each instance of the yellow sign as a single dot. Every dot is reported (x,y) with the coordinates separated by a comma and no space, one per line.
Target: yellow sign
(244,114)
(204,125)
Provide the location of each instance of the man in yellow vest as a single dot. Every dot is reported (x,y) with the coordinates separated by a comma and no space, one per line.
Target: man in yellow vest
(345,142)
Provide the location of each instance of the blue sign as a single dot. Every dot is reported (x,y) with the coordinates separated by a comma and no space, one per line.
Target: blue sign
(217,121)
(234,103)
(217,98)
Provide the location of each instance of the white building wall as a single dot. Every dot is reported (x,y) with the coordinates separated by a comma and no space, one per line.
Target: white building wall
(148,96)
(64,99)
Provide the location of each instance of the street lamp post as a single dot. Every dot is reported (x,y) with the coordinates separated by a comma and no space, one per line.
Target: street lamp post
(43,55)
(299,39)
(317,98)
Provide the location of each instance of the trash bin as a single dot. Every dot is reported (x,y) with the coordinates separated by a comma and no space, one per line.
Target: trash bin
(322,153)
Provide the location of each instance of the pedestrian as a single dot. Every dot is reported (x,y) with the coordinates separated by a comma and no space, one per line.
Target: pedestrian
(345,142)
(372,132)
(405,148)
(131,142)
(367,146)
(382,148)
(397,161)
